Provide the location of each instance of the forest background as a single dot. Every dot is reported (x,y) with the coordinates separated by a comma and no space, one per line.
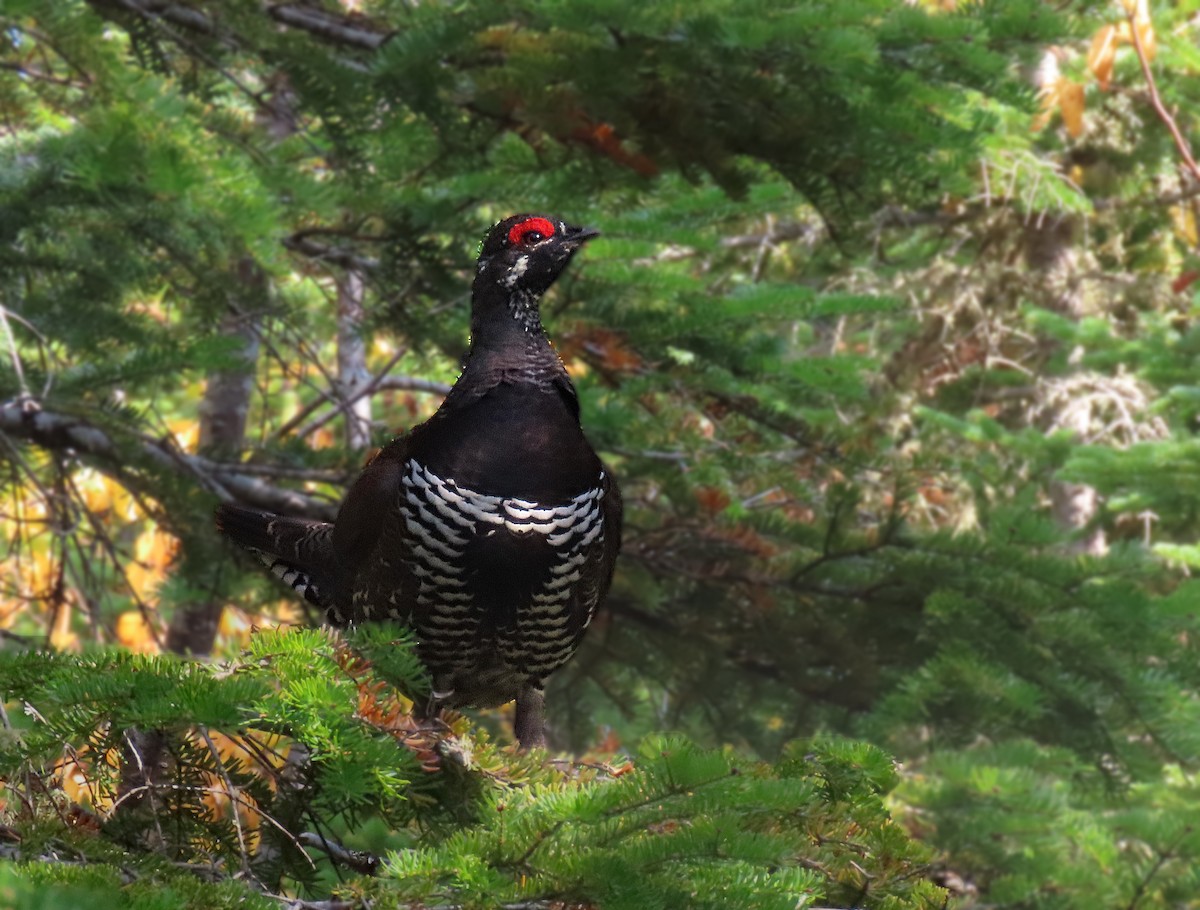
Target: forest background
(890,338)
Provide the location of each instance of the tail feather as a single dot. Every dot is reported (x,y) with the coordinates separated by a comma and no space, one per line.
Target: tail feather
(297,540)
(316,591)
(297,551)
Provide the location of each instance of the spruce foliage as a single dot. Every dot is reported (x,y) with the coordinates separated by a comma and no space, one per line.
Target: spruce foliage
(889,337)
(303,732)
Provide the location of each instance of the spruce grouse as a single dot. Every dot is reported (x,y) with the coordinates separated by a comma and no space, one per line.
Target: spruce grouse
(492,529)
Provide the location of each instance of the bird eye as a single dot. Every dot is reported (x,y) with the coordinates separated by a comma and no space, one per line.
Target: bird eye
(531,230)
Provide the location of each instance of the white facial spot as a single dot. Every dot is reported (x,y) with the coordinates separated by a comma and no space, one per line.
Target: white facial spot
(514,274)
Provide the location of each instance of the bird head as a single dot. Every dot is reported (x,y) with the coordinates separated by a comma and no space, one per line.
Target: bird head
(522,255)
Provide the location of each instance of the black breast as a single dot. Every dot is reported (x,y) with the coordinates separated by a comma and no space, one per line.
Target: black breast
(512,441)
(503,505)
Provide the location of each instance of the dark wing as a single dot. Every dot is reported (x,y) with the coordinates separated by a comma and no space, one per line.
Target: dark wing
(297,551)
(370,541)
(566,391)
(597,572)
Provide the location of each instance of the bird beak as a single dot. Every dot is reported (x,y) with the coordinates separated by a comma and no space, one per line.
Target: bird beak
(578,235)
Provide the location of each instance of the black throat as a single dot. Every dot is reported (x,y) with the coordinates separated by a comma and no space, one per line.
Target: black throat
(511,423)
(508,345)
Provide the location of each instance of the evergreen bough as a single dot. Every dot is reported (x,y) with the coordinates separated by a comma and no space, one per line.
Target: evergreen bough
(315,746)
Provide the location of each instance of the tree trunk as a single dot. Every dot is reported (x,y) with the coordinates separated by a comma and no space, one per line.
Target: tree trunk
(353,374)
(1049,250)
(223,413)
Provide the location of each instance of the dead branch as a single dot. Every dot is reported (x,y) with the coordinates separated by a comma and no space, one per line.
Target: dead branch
(1185,150)
(65,432)
(331,27)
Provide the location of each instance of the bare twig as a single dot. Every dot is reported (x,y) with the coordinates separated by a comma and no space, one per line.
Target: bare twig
(775,234)
(278,826)
(15,357)
(1185,150)
(1175,198)
(39,76)
(1164,856)
(400,383)
(109,546)
(46,41)
(25,641)
(233,798)
(315,475)
(340,403)
(295,903)
(359,860)
(134,741)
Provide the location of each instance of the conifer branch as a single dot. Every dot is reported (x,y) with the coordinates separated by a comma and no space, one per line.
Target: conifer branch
(335,255)
(328,26)
(63,432)
(177,13)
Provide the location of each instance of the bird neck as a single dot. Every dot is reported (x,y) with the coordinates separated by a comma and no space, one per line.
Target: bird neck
(507,338)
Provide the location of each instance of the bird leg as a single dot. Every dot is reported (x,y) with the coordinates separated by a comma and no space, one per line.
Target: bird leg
(436,698)
(426,712)
(530,722)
